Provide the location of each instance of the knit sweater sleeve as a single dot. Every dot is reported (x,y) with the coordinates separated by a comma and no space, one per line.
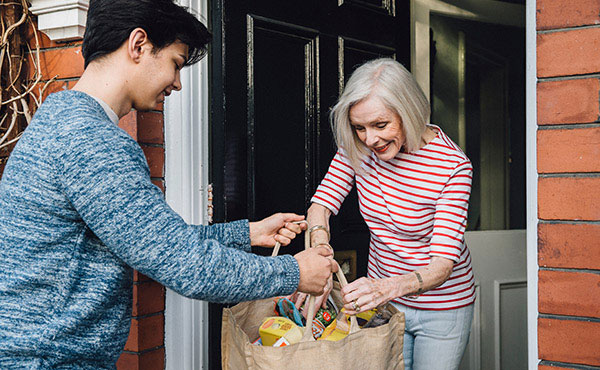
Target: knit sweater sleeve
(106,178)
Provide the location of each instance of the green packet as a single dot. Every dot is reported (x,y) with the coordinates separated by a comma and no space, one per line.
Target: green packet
(326,315)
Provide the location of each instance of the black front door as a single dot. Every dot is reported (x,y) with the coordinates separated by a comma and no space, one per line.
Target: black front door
(277,67)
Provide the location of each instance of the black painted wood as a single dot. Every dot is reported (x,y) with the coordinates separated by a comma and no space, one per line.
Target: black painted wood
(276,69)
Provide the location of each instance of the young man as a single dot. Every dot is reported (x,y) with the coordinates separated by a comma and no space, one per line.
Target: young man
(78,210)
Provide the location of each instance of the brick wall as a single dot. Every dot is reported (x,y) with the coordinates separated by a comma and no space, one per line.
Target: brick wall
(145,345)
(568,152)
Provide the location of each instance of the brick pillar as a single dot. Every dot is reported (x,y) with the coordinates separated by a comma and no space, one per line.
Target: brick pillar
(145,348)
(568,151)
(145,345)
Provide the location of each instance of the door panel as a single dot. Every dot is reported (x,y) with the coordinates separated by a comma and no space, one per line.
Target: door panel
(499,332)
(353,53)
(282,93)
(276,69)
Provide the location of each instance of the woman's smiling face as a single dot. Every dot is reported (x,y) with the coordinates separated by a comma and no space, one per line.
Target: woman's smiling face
(378,127)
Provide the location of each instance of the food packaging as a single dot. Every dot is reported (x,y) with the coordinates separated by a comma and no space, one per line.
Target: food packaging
(276,327)
(333,333)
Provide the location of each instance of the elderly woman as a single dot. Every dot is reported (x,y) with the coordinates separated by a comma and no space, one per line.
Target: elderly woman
(413,187)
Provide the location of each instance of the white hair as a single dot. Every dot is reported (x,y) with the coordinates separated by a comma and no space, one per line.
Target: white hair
(388,80)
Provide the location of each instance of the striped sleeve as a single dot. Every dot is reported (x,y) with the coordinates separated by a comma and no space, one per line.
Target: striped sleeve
(336,184)
(451,214)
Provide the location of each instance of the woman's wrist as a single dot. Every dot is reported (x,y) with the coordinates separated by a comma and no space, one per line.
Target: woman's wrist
(390,288)
(404,285)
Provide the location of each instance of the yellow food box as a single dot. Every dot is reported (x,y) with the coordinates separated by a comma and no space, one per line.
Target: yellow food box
(333,334)
(276,327)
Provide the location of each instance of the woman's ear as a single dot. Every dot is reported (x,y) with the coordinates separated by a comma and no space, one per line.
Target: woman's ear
(137,44)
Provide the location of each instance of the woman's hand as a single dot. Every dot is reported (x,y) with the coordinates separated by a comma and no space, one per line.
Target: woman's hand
(279,227)
(365,293)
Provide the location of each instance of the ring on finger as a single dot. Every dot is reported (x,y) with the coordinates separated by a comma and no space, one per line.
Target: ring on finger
(355,306)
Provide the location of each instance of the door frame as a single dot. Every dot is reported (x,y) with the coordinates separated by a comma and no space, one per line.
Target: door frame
(186,128)
(187,166)
(497,12)
(531,176)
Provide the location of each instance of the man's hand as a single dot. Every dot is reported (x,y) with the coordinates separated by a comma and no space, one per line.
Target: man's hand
(277,228)
(315,266)
(320,302)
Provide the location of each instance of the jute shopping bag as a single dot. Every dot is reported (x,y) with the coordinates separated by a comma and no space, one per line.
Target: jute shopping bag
(378,348)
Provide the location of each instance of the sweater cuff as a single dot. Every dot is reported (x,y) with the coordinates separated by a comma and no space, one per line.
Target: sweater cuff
(238,235)
(291,274)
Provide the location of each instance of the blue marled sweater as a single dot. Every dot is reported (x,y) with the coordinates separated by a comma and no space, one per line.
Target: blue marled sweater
(77,213)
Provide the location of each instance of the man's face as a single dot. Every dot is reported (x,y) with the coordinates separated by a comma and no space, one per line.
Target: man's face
(159,75)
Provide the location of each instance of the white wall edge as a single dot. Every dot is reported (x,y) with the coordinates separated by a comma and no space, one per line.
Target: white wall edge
(186,180)
(532,179)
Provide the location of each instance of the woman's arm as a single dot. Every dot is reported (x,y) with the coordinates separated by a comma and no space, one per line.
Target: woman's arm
(318,215)
(369,293)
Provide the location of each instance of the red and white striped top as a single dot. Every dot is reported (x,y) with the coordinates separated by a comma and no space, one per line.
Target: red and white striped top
(415,206)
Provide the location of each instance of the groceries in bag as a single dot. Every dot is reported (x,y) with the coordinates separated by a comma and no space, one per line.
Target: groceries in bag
(280,330)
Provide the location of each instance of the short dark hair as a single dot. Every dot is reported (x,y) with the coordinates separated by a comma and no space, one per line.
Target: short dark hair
(110,22)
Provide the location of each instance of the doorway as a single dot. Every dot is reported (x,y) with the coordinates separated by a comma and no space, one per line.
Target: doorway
(470,58)
(276,69)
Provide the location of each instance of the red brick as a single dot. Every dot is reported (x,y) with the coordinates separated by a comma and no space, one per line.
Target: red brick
(565,53)
(160,184)
(569,341)
(52,87)
(150,127)
(146,333)
(151,360)
(138,276)
(144,127)
(156,160)
(570,101)
(569,246)
(129,123)
(569,293)
(563,14)
(148,298)
(44,41)
(569,198)
(568,150)
(62,63)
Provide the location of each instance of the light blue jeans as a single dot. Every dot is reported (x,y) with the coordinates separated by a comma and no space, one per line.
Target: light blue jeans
(435,340)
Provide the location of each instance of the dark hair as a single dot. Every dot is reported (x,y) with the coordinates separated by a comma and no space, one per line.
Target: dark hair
(110,22)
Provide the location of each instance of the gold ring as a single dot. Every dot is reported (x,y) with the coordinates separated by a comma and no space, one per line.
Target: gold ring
(355,306)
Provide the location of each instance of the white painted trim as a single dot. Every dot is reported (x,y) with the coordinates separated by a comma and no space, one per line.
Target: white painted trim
(532,179)
(61,20)
(186,180)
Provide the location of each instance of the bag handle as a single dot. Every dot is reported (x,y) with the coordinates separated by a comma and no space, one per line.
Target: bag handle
(308,336)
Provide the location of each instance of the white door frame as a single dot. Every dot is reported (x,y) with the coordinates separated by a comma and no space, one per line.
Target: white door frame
(507,14)
(532,181)
(186,182)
